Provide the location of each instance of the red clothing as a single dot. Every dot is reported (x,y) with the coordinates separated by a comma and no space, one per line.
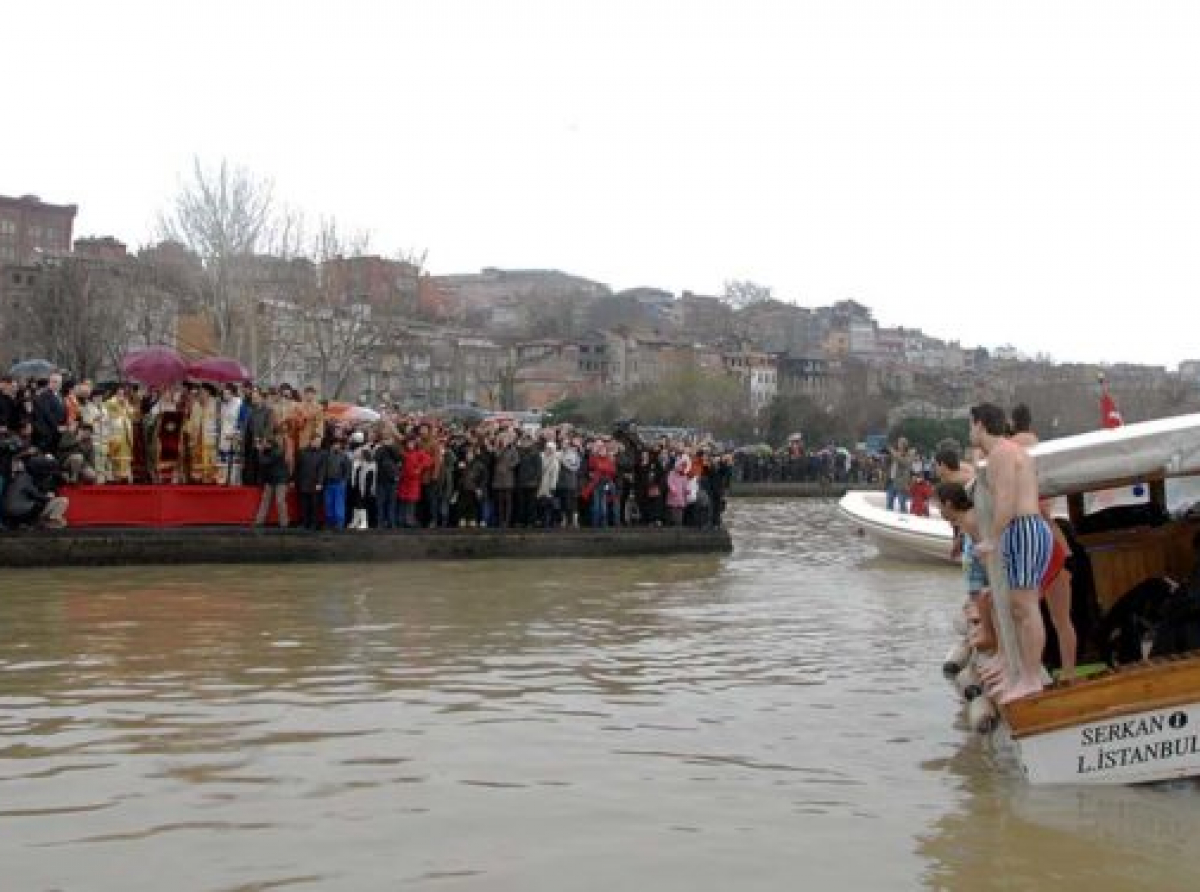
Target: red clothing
(1058,559)
(600,468)
(919,492)
(416,463)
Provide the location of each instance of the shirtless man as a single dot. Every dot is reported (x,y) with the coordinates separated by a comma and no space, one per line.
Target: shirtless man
(949,466)
(1022,537)
(1056,584)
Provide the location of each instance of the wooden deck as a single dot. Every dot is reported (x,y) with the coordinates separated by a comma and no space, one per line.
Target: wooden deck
(1160,684)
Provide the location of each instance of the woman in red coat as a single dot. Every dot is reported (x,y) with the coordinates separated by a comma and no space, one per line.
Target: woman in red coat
(600,489)
(416,463)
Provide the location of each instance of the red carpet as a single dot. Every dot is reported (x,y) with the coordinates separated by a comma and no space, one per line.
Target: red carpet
(166,506)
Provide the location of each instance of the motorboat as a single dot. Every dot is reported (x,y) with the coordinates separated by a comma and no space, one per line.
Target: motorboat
(902,536)
(1138,719)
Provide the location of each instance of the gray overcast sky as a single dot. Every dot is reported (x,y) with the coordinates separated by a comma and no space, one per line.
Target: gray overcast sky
(1018,172)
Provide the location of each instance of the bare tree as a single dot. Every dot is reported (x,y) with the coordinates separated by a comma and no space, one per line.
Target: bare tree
(153,295)
(225,215)
(73,318)
(340,329)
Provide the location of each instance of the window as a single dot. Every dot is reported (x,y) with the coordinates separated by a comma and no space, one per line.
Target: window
(7,226)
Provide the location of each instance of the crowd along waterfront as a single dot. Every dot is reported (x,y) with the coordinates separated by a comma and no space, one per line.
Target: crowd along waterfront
(751,721)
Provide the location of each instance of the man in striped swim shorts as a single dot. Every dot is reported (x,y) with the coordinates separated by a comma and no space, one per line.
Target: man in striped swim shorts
(1021,536)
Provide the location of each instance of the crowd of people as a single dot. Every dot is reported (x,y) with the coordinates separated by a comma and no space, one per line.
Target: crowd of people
(797,462)
(396,471)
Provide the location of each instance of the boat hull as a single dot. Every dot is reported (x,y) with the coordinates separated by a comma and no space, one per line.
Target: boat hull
(1155,745)
(901,536)
(1132,726)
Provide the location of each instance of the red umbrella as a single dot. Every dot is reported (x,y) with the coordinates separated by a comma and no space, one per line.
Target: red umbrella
(219,370)
(154,366)
(351,414)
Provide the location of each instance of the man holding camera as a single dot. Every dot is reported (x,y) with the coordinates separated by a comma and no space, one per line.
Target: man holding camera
(30,499)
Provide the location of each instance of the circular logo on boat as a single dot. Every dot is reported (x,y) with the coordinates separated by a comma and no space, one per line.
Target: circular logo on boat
(1178,720)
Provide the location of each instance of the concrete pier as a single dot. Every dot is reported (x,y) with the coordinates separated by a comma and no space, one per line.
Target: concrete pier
(133,547)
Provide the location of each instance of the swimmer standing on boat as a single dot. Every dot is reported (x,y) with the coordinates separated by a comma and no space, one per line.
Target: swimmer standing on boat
(1022,537)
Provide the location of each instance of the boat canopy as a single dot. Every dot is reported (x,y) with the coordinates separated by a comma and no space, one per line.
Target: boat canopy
(1149,450)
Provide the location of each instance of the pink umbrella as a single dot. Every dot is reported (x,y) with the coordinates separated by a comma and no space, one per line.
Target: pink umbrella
(219,370)
(154,366)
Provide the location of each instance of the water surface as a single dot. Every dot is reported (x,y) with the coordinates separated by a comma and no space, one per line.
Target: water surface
(770,720)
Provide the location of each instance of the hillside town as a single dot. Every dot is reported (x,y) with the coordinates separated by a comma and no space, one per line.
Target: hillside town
(386,331)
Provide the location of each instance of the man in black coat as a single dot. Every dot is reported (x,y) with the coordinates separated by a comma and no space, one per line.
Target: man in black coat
(528,476)
(272,471)
(718,482)
(49,415)
(10,409)
(260,428)
(388,462)
(310,482)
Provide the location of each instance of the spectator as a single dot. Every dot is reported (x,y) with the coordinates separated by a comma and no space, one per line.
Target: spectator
(31,500)
(272,470)
(310,482)
(338,470)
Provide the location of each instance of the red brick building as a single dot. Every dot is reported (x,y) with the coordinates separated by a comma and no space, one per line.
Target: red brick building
(102,248)
(29,228)
(387,286)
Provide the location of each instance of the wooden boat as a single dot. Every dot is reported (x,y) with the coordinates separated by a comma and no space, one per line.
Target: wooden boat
(1141,721)
(902,536)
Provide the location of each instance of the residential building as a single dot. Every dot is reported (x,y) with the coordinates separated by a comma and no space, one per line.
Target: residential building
(659,308)
(759,374)
(420,366)
(31,229)
(704,316)
(389,287)
(537,302)
(803,375)
(104,248)
(861,338)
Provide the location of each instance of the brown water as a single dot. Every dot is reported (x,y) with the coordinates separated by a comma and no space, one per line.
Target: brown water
(771,720)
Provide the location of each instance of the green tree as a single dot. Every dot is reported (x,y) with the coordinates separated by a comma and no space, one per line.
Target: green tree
(927,433)
(798,414)
(689,397)
(595,411)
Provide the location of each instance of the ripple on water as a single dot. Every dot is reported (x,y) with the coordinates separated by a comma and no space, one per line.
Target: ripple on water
(720,723)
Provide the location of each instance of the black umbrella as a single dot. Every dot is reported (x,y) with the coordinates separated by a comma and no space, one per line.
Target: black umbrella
(33,368)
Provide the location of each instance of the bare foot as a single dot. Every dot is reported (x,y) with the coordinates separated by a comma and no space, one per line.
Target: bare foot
(992,675)
(1017,692)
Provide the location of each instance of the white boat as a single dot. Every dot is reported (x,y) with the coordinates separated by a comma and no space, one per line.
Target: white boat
(1139,722)
(903,536)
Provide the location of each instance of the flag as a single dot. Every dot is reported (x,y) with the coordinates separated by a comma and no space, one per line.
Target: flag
(1109,416)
